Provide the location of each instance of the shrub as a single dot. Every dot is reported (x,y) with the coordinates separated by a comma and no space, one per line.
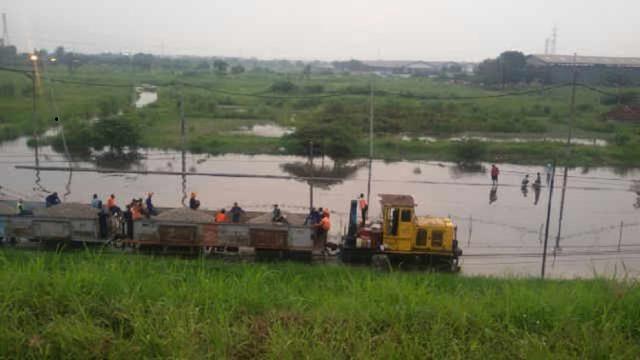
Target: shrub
(283,86)
(621,138)
(469,151)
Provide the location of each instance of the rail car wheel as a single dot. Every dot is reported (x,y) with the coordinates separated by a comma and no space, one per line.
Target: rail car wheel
(381,262)
(208,250)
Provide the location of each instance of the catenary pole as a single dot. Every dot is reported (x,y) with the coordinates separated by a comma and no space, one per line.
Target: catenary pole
(370,141)
(546,229)
(568,153)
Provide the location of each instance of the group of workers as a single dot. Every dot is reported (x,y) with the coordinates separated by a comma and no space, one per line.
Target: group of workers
(136,209)
(320,220)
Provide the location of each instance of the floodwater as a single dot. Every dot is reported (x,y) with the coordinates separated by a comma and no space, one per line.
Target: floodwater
(145,98)
(578,141)
(499,228)
(265,130)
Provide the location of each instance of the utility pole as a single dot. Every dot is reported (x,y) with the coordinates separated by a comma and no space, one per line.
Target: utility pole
(370,141)
(184,149)
(567,153)
(34,60)
(546,230)
(311,174)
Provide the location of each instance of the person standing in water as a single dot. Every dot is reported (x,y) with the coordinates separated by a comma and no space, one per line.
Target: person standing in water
(494,174)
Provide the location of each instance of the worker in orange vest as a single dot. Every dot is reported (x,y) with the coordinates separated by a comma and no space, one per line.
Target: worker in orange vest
(323,227)
(136,210)
(221,216)
(112,206)
(364,208)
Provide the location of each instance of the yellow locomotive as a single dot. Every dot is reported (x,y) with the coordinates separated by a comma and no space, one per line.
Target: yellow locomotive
(401,237)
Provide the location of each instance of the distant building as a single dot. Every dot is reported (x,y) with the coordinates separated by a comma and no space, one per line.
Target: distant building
(591,69)
(403,67)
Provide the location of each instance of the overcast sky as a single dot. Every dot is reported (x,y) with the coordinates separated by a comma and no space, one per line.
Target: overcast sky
(328,29)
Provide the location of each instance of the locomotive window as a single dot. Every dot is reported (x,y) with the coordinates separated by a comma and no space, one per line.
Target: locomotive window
(392,221)
(406,215)
(421,237)
(436,238)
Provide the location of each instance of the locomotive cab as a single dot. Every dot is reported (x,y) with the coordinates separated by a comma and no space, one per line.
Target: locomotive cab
(403,236)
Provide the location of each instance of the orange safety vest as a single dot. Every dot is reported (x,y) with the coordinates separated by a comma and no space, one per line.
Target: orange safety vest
(135,213)
(221,218)
(325,223)
(111,202)
(363,203)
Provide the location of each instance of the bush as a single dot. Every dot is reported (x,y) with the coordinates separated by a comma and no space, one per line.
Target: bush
(283,86)
(7,90)
(116,133)
(469,151)
(621,138)
(313,89)
(625,98)
(340,140)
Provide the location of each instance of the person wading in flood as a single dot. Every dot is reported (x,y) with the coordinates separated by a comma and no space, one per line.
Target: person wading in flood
(494,174)
(364,208)
(525,185)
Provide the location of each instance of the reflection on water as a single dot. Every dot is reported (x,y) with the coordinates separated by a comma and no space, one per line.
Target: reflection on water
(326,176)
(265,130)
(119,161)
(509,226)
(493,194)
(459,171)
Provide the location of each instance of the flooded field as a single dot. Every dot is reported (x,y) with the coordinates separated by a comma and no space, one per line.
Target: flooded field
(145,98)
(500,228)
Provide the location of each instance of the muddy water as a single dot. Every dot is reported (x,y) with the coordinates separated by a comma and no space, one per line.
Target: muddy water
(145,98)
(499,228)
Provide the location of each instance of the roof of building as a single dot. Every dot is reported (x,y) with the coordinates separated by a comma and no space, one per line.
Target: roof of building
(397,200)
(587,60)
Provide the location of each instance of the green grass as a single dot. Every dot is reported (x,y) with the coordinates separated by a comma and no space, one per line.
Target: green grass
(92,305)
(212,115)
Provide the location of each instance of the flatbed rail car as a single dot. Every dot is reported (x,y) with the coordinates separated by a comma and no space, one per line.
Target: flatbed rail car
(196,231)
(58,224)
(401,237)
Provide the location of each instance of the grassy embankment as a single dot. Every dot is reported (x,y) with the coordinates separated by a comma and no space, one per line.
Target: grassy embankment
(91,305)
(211,116)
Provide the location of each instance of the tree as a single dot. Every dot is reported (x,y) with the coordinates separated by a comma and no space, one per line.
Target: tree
(283,86)
(143,61)
(237,69)
(220,66)
(338,140)
(59,53)
(512,66)
(71,60)
(116,133)
(488,73)
(509,68)
(469,151)
(203,65)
